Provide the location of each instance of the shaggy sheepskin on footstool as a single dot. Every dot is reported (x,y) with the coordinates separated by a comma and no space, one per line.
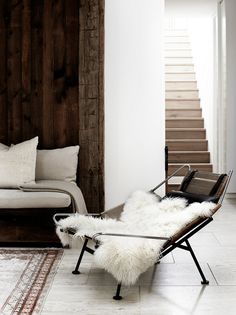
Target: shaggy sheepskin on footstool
(143,213)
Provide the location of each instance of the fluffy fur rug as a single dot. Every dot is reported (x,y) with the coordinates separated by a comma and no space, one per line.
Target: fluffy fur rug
(127,258)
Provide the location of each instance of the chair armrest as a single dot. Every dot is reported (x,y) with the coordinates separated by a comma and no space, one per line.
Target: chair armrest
(132,235)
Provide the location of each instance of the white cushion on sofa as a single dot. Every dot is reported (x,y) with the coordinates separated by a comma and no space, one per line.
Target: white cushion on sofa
(3,147)
(15,199)
(17,163)
(57,164)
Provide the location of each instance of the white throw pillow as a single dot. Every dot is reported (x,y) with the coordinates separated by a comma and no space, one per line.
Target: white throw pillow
(57,164)
(17,163)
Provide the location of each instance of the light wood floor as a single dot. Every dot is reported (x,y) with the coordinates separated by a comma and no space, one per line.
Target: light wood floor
(175,290)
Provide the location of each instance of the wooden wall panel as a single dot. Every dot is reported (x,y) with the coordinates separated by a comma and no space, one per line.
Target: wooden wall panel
(48,75)
(3,73)
(88,95)
(51,81)
(36,40)
(26,69)
(71,63)
(14,99)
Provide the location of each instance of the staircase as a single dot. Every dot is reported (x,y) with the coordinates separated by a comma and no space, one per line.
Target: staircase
(185,132)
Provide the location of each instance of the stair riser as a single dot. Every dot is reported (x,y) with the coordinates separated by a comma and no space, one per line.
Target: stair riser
(198,123)
(178,53)
(178,60)
(181,86)
(196,134)
(200,167)
(182,104)
(176,39)
(180,77)
(187,146)
(179,68)
(189,157)
(172,113)
(180,45)
(182,95)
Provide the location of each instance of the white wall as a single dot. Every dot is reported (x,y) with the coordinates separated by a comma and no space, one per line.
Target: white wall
(134,97)
(230,10)
(190,8)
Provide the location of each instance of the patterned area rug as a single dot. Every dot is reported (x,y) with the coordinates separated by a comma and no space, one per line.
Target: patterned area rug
(25,277)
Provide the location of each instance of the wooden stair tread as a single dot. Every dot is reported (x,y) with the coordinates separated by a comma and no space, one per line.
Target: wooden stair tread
(172,187)
(189,49)
(176,90)
(180,73)
(183,100)
(181,86)
(180,77)
(193,81)
(178,64)
(188,152)
(176,180)
(184,118)
(187,109)
(193,165)
(180,112)
(187,129)
(185,133)
(186,140)
(168,62)
(187,145)
(175,122)
(189,156)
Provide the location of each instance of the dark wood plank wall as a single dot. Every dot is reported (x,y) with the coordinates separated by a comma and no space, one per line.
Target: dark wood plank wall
(51,81)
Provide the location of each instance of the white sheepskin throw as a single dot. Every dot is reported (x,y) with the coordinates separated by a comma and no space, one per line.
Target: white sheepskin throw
(127,258)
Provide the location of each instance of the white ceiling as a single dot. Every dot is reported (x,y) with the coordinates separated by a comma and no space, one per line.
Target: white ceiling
(188,8)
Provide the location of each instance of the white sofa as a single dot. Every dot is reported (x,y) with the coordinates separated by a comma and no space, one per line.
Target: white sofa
(26,212)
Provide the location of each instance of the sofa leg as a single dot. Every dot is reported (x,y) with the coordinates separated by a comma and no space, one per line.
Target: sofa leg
(118,296)
(76,271)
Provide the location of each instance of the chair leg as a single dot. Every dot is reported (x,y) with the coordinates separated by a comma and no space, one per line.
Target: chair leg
(118,296)
(76,271)
(204,280)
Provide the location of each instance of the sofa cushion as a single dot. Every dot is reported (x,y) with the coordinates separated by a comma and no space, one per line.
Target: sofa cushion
(15,199)
(3,147)
(17,163)
(57,164)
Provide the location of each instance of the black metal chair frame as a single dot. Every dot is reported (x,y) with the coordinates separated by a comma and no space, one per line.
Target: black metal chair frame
(170,244)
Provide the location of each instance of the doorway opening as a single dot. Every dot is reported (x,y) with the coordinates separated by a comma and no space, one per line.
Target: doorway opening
(194,86)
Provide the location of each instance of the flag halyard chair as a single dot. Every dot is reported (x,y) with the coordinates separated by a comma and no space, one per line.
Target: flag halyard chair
(196,187)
